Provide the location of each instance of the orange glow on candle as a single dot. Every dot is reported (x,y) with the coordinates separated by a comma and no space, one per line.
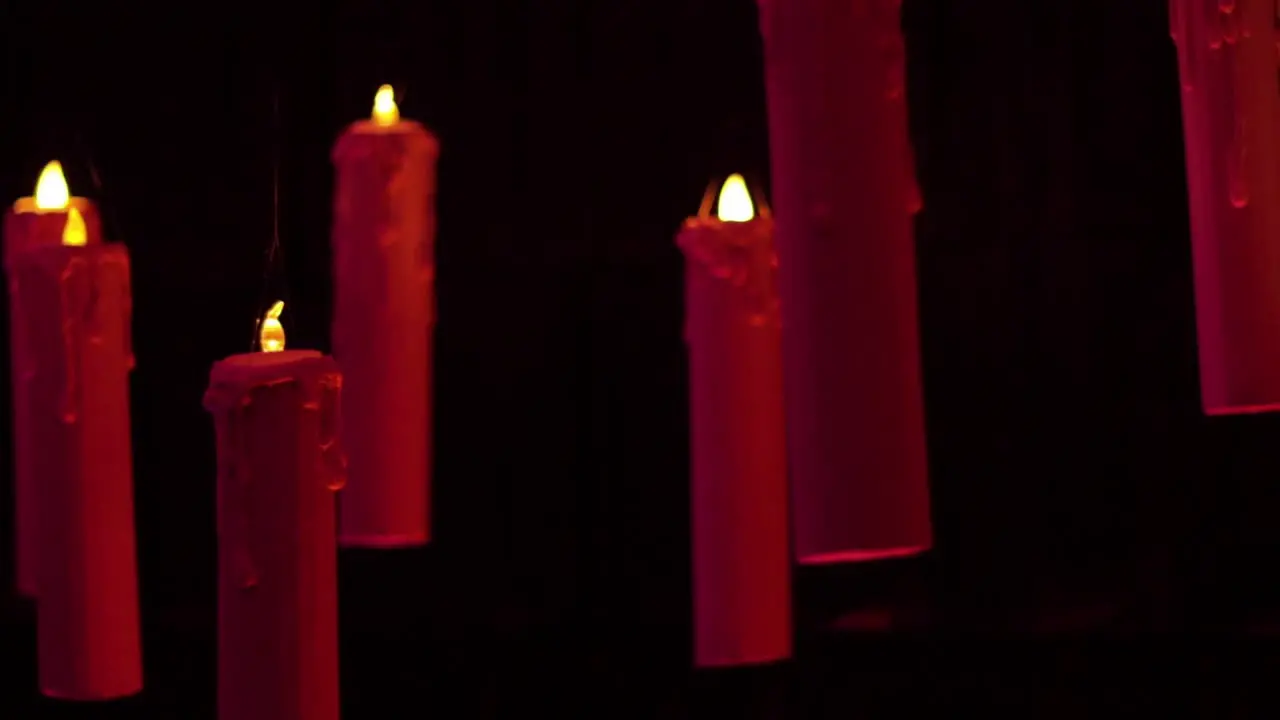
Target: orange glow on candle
(271,332)
(385,111)
(735,201)
(51,188)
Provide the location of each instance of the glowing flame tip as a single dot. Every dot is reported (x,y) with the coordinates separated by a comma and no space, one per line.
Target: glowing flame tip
(74,232)
(385,111)
(735,201)
(271,332)
(51,189)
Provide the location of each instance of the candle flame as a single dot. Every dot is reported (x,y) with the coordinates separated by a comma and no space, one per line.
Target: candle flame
(385,111)
(271,332)
(74,232)
(735,201)
(51,188)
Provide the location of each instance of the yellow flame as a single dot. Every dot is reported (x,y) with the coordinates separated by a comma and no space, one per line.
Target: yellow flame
(385,111)
(271,332)
(735,201)
(74,232)
(51,188)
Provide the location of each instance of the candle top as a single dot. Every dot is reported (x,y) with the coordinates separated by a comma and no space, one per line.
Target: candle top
(270,359)
(231,378)
(51,194)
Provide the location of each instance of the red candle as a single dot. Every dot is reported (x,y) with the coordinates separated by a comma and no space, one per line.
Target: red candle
(844,193)
(384,268)
(33,222)
(73,319)
(279,462)
(741,560)
(1231,123)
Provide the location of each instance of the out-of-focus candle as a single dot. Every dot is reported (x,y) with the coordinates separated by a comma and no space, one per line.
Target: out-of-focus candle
(1231,121)
(844,192)
(279,462)
(35,221)
(384,298)
(72,357)
(741,561)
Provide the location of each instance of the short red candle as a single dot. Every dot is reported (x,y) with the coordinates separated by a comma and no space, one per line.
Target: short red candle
(27,226)
(73,321)
(844,193)
(279,462)
(741,558)
(384,297)
(1231,123)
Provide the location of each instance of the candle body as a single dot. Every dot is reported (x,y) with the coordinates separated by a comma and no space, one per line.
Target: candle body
(741,557)
(1231,124)
(76,317)
(383,248)
(25,228)
(844,193)
(276,417)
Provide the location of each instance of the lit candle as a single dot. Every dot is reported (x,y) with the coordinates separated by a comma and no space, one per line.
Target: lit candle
(1231,123)
(844,193)
(741,561)
(72,358)
(34,221)
(279,463)
(384,297)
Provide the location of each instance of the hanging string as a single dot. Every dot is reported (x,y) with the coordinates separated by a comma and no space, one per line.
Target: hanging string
(275,252)
(106,207)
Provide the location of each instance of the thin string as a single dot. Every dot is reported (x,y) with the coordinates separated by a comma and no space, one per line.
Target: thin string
(275,252)
(106,207)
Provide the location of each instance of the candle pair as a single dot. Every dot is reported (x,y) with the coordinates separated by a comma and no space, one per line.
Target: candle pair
(70,305)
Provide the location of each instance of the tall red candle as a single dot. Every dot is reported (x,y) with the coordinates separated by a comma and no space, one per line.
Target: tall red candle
(1231,124)
(279,462)
(741,557)
(28,225)
(844,193)
(74,319)
(383,248)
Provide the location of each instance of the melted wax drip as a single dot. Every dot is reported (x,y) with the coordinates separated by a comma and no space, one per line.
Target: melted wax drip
(239,485)
(743,263)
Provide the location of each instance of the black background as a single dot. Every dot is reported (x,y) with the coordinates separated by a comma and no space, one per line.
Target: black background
(1070,465)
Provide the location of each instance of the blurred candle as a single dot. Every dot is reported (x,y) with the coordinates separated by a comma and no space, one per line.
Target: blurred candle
(1227,61)
(384,297)
(741,561)
(33,222)
(844,193)
(279,462)
(72,357)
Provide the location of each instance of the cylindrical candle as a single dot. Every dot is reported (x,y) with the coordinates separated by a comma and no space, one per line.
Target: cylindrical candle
(844,193)
(741,559)
(1231,124)
(383,252)
(279,462)
(27,225)
(75,318)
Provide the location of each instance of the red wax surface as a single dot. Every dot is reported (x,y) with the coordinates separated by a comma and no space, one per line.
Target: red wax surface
(76,317)
(26,227)
(384,313)
(741,555)
(279,463)
(843,197)
(1227,61)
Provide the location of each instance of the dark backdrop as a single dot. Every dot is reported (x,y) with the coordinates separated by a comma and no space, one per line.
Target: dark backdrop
(1068,456)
